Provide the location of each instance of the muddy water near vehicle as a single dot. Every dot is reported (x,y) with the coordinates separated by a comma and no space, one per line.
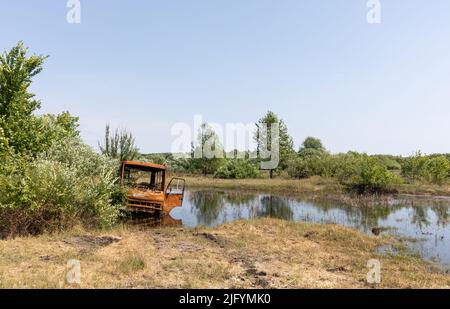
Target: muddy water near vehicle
(425,223)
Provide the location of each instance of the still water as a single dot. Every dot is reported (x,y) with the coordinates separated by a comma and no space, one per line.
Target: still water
(426,223)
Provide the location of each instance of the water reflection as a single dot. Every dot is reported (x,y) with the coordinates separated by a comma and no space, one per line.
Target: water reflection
(275,207)
(427,221)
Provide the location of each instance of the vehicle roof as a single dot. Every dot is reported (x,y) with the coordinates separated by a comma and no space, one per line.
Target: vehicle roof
(144,165)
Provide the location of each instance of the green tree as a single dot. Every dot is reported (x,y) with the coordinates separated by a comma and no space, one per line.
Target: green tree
(209,154)
(17,104)
(312,143)
(263,138)
(120,145)
(21,131)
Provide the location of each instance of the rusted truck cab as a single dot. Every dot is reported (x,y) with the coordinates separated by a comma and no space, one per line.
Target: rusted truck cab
(148,191)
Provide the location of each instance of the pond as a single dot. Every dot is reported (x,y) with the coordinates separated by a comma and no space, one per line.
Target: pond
(425,223)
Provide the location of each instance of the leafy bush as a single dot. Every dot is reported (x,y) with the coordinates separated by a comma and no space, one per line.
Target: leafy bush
(391,162)
(436,169)
(361,172)
(298,168)
(373,177)
(412,167)
(304,167)
(67,185)
(237,169)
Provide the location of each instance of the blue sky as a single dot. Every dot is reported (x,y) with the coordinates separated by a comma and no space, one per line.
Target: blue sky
(145,65)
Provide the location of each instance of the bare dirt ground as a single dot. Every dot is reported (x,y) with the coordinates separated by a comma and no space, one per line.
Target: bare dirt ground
(264,253)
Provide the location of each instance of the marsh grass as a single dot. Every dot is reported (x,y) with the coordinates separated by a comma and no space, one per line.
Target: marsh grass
(316,188)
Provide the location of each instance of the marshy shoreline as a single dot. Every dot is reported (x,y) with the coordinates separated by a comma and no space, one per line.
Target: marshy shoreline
(322,189)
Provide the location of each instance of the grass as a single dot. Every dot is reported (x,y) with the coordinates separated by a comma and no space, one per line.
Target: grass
(131,263)
(264,253)
(276,185)
(325,187)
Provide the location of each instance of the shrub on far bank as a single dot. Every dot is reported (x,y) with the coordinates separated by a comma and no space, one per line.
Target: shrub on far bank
(237,169)
(372,177)
(358,172)
(436,169)
(433,169)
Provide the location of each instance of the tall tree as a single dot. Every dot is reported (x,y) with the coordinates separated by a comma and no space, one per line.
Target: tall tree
(120,145)
(263,138)
(208,154)
(21,131)
(17,104)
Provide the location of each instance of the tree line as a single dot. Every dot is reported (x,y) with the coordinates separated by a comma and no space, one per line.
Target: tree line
(358,172)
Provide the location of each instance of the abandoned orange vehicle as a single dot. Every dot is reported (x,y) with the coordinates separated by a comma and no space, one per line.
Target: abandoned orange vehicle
(147,190)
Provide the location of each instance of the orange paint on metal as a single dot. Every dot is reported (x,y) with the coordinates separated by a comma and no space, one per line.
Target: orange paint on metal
(152,196)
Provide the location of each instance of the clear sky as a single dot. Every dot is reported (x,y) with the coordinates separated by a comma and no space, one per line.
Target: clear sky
(147,64)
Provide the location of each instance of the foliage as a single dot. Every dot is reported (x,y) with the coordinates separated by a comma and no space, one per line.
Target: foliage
(412,167)
(120,145)
(49,179)
(20,129)
(312,143)
(263,138)
(358,172)
(308,165)
(392,163)
(209,154)
(436,169)
(372,176)
(237,169)
(64,186)
(299,168)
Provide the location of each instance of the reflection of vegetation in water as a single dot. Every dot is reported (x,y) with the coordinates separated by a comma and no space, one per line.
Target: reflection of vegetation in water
(442,213)
(371,216)
(208,205)
(275,207)
(238,198)
(364,217)
(420,216)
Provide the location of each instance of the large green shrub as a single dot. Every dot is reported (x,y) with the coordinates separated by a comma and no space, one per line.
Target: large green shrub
(237,169)
(412,167)
(67,185)
(306,166)
(299,168)
(436,169)
(373,177)
(361,173)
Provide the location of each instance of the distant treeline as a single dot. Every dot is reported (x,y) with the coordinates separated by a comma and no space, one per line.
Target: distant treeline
(356,171)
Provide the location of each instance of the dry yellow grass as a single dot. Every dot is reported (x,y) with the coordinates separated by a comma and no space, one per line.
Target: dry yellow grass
(264,253)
